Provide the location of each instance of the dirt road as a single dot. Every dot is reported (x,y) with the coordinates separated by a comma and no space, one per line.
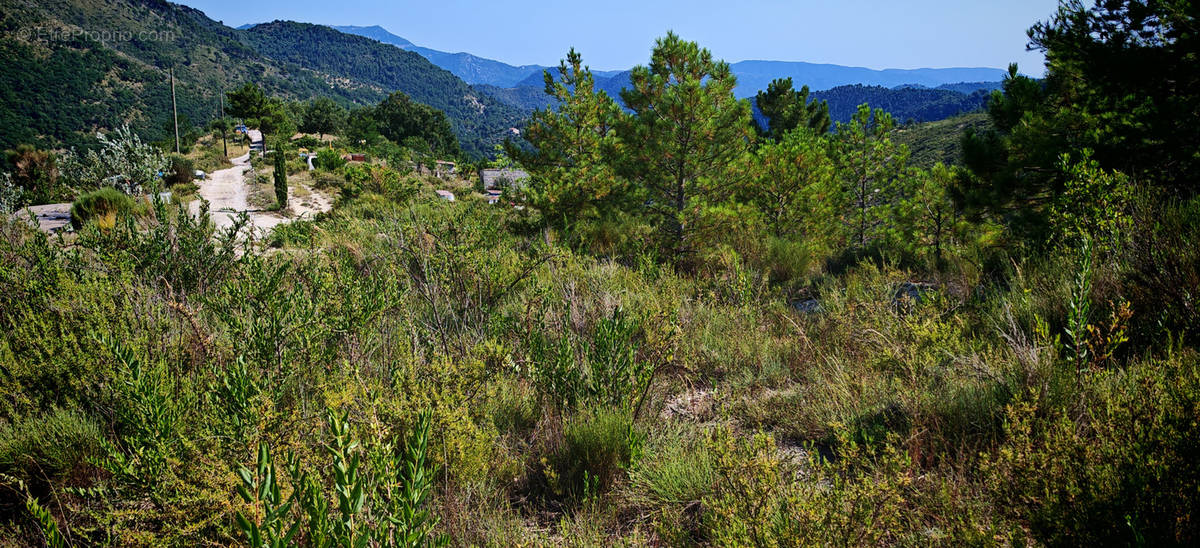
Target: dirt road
(228,195)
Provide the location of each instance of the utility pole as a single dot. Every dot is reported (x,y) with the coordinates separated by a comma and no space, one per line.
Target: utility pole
(174,109)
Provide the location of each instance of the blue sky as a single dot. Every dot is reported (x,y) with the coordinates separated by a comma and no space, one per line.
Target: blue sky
(617,34)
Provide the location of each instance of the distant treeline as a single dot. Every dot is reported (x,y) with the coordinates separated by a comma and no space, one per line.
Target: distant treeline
(905,104)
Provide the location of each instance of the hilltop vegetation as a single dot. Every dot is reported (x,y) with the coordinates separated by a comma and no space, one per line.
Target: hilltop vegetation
(477,119)
(941,141)
(904,104)
(689,331)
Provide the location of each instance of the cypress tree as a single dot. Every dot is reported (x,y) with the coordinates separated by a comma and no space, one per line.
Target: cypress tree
(281,189)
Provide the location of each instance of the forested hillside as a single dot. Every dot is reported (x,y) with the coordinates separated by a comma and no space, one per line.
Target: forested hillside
(74,66)
(940,141)
(524,98)
(905,104)
(60,86)
(480,121)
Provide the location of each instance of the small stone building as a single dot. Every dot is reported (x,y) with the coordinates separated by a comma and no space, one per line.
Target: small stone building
(503,178)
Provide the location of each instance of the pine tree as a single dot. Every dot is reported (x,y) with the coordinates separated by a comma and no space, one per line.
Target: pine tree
(926,219)
(787,109)
(248,101)
(1122,81)
(870,167)
(685,133)
(793,185)
(570,178)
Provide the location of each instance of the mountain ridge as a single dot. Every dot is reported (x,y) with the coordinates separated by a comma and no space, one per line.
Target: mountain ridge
(753,74)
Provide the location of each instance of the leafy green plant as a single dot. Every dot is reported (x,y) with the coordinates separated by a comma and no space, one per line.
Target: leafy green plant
(605,371)
(147,415)
(270,527)
(103,205)
(381,494)
(1079,316)
(1093,206)
(329,160)
(52,534)
(235,392)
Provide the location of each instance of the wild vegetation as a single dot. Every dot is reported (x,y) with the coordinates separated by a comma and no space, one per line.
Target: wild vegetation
(692,331)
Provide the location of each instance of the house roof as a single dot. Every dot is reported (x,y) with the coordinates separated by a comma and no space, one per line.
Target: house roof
(491,176)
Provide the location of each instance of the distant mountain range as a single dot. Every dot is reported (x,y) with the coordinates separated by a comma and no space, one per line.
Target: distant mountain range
(917,95)
(752,75)
(471,68)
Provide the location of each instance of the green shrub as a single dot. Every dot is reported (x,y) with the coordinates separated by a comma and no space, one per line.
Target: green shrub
(763,499)
(307,141)
(328,160)
(180,171)
(1116,468)
(103,205)
(47,446)
(150,404)
(601,368)
(295,164)
(597,448)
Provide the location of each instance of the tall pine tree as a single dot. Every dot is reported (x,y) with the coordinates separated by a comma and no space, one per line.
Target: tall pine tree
(685,133)
(871,167)
(571,180)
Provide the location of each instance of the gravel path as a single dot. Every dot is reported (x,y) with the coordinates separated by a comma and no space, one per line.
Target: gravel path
(228,195)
